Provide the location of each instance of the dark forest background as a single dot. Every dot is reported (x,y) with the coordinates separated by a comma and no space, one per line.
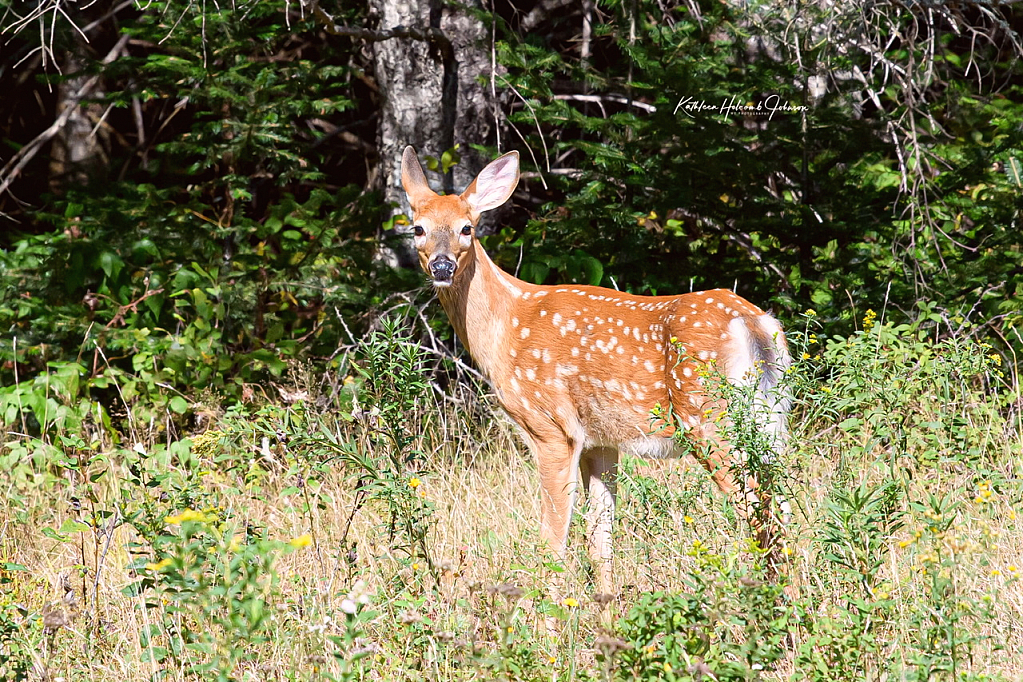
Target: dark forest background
(196,194)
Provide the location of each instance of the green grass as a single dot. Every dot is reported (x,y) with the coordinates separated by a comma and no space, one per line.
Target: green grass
(373,527)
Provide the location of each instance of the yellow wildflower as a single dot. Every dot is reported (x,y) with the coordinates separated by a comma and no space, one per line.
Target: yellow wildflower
(301,541)
(160,565)
(414,482)
(187,515)
(868,319)
(687,518)
(571,602)
(810,312)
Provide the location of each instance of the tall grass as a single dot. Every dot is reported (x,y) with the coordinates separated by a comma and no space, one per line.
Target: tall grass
(371,525)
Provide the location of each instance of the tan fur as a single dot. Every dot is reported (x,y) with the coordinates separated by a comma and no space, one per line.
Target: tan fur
(581,369)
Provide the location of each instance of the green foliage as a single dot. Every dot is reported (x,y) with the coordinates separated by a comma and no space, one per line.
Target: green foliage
(219,255)
(730,626)
(165,318)
(913,194)
(854,531)
(212,591)
(893,385)
(15,660)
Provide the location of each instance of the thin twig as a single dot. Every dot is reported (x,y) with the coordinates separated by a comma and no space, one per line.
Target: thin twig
(618,99)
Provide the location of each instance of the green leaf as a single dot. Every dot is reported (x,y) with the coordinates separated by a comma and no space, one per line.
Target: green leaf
(534,271)
(54,535)
(111,263)
(72,526)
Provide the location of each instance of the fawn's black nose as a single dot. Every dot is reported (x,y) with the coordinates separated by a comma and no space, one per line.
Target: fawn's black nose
(442,268)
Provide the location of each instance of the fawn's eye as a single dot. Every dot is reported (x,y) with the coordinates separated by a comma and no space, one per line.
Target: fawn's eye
(467,230)
(418,230)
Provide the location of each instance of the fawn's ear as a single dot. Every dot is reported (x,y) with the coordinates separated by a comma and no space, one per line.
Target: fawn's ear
(417,189)
(494,184)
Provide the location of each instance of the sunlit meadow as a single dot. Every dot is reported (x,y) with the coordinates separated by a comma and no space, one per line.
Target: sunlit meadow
(373,524)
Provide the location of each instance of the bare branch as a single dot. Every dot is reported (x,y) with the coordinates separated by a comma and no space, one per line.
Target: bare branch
(431,34)
(618,99)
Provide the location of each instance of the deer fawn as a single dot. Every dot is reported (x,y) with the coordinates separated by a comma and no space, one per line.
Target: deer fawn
(583,370)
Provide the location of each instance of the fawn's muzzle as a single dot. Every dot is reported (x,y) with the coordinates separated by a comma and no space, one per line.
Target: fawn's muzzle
(442,269)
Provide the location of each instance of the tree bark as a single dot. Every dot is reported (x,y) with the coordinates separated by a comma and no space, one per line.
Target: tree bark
(80,150)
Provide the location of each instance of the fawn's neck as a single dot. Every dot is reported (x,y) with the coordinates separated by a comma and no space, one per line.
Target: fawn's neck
(480,305)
